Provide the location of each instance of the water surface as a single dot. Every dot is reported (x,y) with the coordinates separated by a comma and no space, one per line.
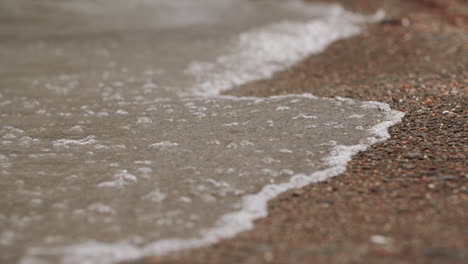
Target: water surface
(114,143)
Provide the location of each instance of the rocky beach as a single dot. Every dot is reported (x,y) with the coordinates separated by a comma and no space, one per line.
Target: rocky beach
(402,201)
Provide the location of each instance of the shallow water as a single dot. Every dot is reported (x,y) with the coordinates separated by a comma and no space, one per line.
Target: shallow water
(114,143)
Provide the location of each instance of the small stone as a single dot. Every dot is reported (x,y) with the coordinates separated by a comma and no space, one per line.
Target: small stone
(446,178)
(391,21)
(350,193)
(408,166)
(405,22)
(436,252)
(416,196)
(297,193)
(414,155)
(380,240)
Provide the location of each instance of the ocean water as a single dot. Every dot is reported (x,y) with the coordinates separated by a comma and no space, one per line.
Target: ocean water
(115,142)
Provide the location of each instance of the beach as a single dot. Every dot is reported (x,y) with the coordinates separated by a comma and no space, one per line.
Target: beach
(402,201)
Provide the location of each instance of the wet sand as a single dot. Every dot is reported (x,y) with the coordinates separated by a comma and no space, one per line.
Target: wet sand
(404,200)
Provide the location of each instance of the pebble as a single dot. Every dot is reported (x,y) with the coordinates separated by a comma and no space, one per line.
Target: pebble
(380,240)
(413,155)
(297,193)
(408,166)
(446,178)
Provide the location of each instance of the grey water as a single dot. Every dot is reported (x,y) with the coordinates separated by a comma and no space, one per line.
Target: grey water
(114,143)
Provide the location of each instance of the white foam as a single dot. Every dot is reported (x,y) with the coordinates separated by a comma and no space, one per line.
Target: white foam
(101,208)
(144,120)
(74,142)
(259,53)
(163,145)
(156,196)
(285,150)
(302,115)
(120,179)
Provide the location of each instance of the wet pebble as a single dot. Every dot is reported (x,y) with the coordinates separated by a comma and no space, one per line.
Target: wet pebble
(297,192)
(414,155)
(408,166)
(446,178)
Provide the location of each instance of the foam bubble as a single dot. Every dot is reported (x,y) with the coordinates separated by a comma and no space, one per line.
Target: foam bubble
(163,145)
(66,143)
(120,179)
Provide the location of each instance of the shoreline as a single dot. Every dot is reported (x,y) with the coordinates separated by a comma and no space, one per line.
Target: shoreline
(404,200)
